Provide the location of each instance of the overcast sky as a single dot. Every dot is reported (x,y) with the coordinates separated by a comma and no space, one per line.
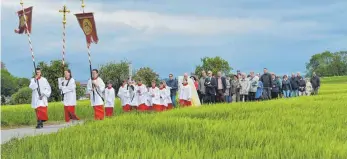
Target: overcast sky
(171,36)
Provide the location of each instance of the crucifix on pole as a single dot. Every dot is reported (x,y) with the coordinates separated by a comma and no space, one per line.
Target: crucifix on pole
(64,11)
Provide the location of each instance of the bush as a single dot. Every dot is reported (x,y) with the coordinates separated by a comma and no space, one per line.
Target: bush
(23,96)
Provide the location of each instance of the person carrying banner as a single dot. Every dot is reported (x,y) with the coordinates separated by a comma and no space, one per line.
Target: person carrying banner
(95,87)
(41,91)
(67,86)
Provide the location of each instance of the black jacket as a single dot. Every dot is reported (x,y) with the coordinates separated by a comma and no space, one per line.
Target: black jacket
(315,81)
(302,85)
(295,83)
(211,85)
(224,83)
(286,85)
(266,79)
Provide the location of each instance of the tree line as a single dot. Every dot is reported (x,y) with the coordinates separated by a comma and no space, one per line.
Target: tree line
(327,64)
(324,64)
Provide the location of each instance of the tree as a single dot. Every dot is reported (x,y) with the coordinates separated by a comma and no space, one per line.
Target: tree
(23,96)
(147,75)
(328,64)
(214,64)
(79,90)
(52,72)
(115,72)
(23,82)
(8,83)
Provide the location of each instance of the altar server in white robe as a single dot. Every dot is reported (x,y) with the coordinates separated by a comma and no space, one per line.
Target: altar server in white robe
(124,95)
(110,96)
(67,85)
(96,87)
(141,96)
(162,98)
(168,96)
(133,95)
(154,96)
(185,94)
(41,91)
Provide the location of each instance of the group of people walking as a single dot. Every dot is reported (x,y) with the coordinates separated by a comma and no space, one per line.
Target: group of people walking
(136,96)
(254,87)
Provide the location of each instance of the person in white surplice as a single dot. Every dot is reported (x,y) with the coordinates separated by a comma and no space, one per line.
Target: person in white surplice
(41,91)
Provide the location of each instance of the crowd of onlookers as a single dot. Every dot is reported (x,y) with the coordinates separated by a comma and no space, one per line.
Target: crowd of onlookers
(253,87)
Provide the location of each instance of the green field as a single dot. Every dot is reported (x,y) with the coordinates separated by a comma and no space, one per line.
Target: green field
(24,115)
(305,127)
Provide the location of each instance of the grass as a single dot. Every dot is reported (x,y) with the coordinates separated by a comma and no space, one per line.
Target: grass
(305,127)
(24,115)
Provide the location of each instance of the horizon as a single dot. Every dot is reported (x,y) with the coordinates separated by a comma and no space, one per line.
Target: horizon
(250,35)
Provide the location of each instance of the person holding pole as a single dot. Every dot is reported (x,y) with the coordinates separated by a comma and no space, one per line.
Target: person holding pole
(67,86)
(41,90)
(95,87)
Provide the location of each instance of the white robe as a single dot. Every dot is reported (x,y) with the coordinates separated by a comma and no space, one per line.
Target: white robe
(100,88)
(69,91)
(141,94)
(45,90)
(168,95)
(156,98)
(110,96)
(124,95)
(163,97)
(134,97)
(185,93)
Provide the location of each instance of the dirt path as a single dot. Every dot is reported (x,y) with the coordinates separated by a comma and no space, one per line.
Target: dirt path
(7,135)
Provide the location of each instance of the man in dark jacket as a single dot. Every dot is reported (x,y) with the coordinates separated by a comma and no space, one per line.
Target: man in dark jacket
(315,81)
(202,87)
(221,87)
(267,84)
(294,82)
(173,84)
(211,85)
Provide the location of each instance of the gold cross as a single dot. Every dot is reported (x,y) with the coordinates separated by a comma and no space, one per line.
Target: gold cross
(64,11)
(83,5)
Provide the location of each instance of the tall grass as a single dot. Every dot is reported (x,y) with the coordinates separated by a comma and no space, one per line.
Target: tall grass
(305,127)
(24,115)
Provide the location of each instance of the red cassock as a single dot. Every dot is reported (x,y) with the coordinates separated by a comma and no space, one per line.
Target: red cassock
(99,112)
(109,111)
(41,113)
(127,108)
(70,113)
(169,106)
(158,108)
(143,107)
(185,103)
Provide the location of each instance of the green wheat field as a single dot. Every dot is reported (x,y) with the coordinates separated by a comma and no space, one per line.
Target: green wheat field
(305,128)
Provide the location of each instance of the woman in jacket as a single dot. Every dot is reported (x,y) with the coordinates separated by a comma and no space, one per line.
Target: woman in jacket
(309,87)
(235,89)
(302,86)
(245,85)
(227,93)
(286,87)
(253,86)
(276,86)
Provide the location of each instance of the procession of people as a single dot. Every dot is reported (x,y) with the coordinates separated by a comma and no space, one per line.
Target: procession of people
(136,96)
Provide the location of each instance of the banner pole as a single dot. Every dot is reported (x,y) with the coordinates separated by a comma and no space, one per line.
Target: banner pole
(30,45)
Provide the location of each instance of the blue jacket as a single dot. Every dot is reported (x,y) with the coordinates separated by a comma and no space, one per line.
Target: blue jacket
(259,90)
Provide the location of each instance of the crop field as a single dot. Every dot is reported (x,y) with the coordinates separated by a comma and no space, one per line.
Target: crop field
(304,127)
(24,115)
